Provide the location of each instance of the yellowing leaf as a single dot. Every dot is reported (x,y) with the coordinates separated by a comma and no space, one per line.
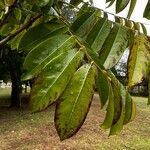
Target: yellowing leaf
(139,60)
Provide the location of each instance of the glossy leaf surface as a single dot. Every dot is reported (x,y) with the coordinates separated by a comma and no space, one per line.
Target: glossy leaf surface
(38,58)
(52,81)
(114,46)
(74,104)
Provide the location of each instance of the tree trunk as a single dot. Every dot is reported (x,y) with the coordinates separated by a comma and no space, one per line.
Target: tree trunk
(15,92)
(15,74)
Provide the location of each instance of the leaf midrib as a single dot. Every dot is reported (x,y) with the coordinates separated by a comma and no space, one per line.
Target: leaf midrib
(79,94)
(59,76)
(35,68)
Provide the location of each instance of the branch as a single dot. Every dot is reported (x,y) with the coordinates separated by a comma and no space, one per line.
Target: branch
(24,26)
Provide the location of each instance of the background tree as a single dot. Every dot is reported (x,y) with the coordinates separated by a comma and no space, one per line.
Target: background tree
(68,59)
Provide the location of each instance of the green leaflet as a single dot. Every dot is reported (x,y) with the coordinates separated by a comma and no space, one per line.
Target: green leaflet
(128,108)
(103,88)
(119,104)
(147,10)
(83,24)
(124,107)
(114,46)
(117,101)
(131,8)
(43,53)
(118,126)
(39,33)
(75,102)
(138,62)
(99,33)
(110,110)
(111,3)
(121,4)
(52,81)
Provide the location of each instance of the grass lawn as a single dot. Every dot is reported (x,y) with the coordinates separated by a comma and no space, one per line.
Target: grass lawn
(20,130)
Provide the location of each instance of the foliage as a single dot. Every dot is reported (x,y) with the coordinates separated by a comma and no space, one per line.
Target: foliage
(68,60)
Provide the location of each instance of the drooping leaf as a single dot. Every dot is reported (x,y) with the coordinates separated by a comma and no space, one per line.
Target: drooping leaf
(117,102)
(131,8)
(110,110)
(123,109)
(119,106)
(114,46)
(103,88)
(128,109)
(52,81)
(83,24)
(139,60)
(121,4)
(38,58)
(39,33)
(111,3)
(98,34)
(146,13)
(74,104)
(118,126)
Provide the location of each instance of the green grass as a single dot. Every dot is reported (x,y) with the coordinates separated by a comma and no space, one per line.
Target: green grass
(21,130)
(5,96)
